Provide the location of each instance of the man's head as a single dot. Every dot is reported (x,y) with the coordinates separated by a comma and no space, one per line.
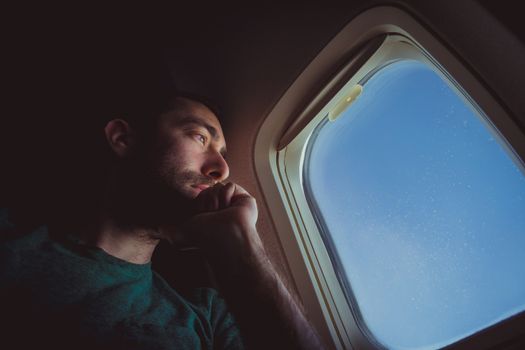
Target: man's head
(161,168)
(191,148)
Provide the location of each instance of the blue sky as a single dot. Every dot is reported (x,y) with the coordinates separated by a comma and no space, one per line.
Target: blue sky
(425,207)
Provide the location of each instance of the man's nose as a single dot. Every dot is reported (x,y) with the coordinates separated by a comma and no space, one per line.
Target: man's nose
(216,167)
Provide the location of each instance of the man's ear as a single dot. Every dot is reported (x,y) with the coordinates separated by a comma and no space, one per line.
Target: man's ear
(120,137)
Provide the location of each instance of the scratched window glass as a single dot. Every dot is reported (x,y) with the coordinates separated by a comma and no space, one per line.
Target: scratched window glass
(421,204)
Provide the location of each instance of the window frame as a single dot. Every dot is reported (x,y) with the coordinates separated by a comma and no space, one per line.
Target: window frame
(368,41)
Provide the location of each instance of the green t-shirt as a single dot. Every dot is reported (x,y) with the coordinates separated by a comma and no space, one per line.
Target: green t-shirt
(65,293)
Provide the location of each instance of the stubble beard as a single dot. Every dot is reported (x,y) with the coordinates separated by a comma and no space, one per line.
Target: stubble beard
(152,196)
(176,192)
(181,182)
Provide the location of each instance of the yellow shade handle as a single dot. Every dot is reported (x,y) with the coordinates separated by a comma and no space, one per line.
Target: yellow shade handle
(345,102)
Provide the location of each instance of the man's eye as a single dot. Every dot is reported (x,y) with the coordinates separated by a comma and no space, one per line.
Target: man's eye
(201,138)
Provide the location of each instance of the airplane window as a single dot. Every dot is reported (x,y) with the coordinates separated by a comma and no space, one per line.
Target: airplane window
(421,204)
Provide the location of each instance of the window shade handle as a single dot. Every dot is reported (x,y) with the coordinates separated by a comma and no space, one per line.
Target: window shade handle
(313,106)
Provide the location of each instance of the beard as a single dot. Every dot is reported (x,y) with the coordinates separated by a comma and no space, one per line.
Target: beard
(179,182)
(154,194)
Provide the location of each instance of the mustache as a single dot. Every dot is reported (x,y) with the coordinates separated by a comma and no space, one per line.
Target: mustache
(196,178)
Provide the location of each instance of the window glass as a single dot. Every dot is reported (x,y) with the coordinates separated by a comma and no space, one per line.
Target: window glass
(422,208)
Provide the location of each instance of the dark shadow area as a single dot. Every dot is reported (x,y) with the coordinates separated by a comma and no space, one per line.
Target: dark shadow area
(62,83)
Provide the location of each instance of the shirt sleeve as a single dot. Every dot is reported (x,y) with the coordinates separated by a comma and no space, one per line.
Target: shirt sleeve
(226,334)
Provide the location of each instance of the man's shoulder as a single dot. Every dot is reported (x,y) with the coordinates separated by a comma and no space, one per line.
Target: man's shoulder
(19,251)
(19,236)
(25,242)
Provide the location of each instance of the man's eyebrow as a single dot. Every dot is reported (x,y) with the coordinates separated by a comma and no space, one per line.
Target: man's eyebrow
(192,119)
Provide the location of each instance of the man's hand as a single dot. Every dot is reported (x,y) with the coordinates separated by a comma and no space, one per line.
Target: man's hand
(224,227)
(228,201)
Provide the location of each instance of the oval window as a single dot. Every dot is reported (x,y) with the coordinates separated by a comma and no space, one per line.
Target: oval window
(422,207)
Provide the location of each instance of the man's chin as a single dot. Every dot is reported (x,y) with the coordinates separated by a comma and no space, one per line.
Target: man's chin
(177,208)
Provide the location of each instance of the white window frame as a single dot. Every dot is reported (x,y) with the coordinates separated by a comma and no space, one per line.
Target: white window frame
(367,42)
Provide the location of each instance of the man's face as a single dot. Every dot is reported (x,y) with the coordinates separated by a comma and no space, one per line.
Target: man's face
(188,153)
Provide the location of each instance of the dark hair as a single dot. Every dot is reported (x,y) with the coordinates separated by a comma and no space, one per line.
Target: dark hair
(140,95)
(206,101)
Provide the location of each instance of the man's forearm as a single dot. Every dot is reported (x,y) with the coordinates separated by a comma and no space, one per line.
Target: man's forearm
(289,313)
(268,314)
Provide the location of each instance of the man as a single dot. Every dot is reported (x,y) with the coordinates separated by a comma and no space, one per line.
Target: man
(95,288)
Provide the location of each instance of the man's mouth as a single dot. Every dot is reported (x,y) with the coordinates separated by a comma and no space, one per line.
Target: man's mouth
(201,187)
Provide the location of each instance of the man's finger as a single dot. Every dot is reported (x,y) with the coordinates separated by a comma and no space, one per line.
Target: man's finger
(207,200)
(226,195)
(213,199)
(240,191)
(240,194)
